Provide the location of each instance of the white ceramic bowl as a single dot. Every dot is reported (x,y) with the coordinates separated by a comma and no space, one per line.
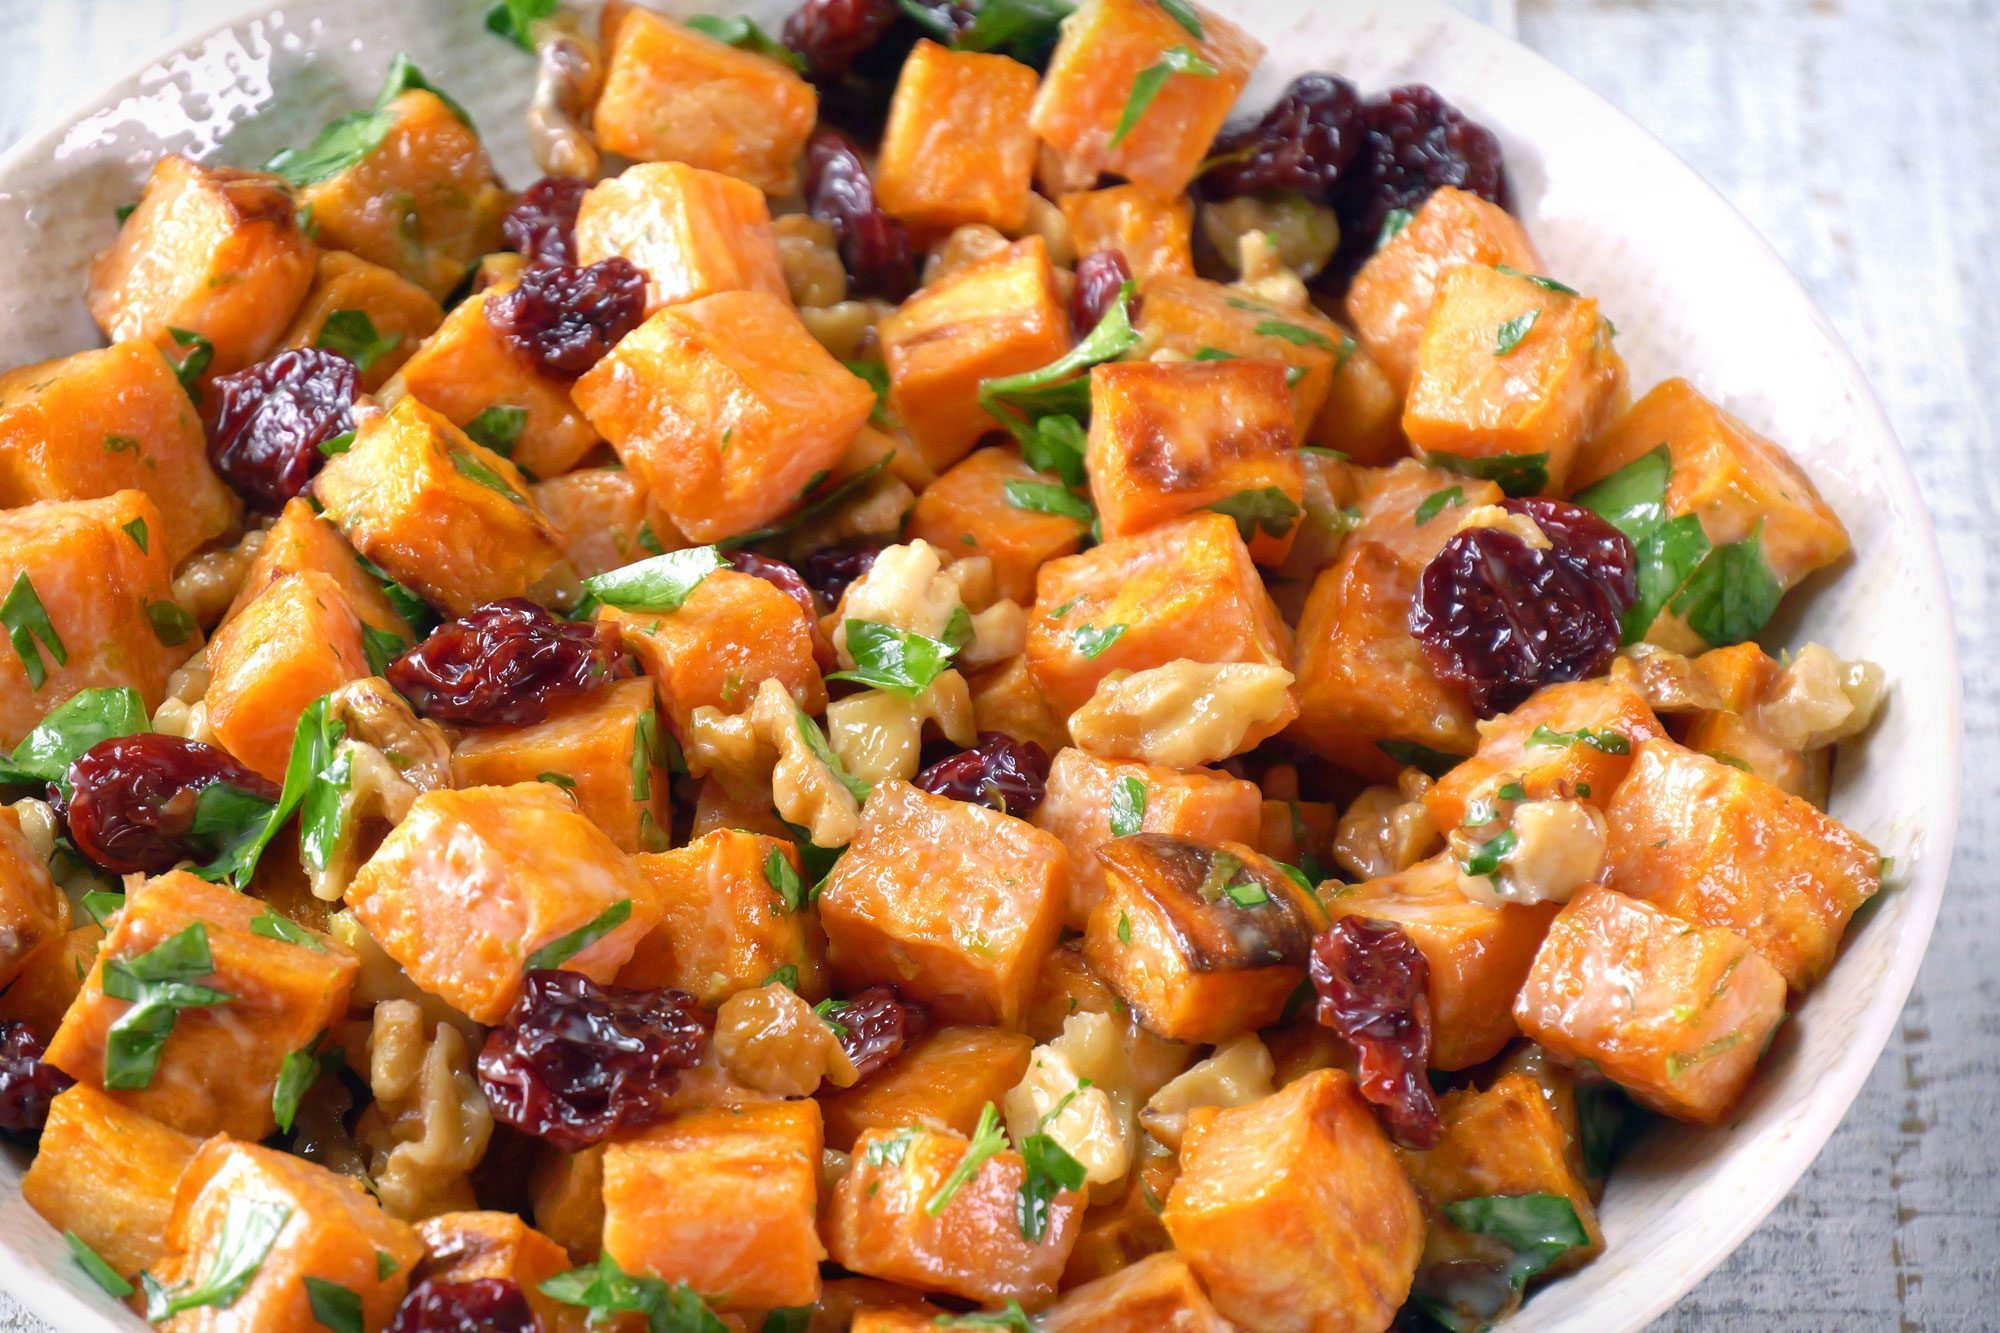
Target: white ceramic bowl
(1692,289)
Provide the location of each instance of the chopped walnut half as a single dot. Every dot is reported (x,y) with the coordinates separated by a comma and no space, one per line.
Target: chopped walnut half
(569,70)
(183,713)
(845,328)
(730,748)
(1264,275)
(961,249)
(208,581)
(1385,830)
(1048,222)
(803,789)
(1819,699)
(879,734)
(1558,848)
(1238,1073)
(429,1124)
(1052,1099)
(392,757)
(771,1040)
(1181,714)
(912,588)
(1670,682)
(1296,233)
(811,256)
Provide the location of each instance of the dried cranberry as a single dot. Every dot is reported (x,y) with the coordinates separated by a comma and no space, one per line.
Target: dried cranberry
(999,773)
(504,664)
(482,1305)
(132,801)
(575,1062)
(830,34)
(839,192)
(1304,144)
(563,319)
(875,1025)
(1372,979)
(831,570)
(1100,276)
(542,222)
(1500,619)
(1413,141)
(787,581)
(27,1085)
(267,422)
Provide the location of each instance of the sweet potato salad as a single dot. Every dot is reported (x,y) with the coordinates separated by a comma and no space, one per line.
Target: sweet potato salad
(933,686)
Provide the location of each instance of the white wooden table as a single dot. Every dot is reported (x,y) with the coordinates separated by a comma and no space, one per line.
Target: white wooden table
(1862,138)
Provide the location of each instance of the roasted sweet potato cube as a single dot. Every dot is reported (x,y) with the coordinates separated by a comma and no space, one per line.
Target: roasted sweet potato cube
(893,1320)
(77,582)
(423,203)
(1298,833)
(1678,1014)
(1199,320)
(691,232)
(1391,298)
(604,751)
(1158,1292)
(1570,741)
(733,633)
(301,542)
(990,504)
(470,1246)
(1007,698)
(400,313)
(327,1227)
(1106,47)
(442,514)
(1121,1233)
(717,807)
(1478,955)
(218,1063)
(726,924)
(33,911)
(566,1200)
(1413,509)
(1155,234)
(1363,413)
(672,94)
(297,640)
(879,1222)
(952,903)
(1736,481)
(1331,511)
(50,979)
(958,148)
(1512,378)
(945,1078)
(96,423)
(999,317)
(1204,943)
(1739,740)
(723,1200)
(474,886)
(108,1173)
(1184,589)
(1170,438)
(727,409)
(1092,800)
(602,515)
(467,374)
(1714,844)
(211,251)
(1294,1212)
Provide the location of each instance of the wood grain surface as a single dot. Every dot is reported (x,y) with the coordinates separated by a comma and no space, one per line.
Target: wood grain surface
(1862,138)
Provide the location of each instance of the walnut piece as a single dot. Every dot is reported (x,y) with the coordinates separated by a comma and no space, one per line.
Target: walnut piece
(429,1124)
(1182,714)
(1385,830)
(879,734)
(771,1040)
(1819,699)
(1558,848)
(1238,1073)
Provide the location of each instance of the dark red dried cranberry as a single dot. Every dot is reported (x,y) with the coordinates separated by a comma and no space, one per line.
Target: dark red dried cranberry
(1413,141)
(504,664)
(27,1085)
(832,569)
(542,222)
(563,319)
(1372,979)
(1304,144)
(575,1062)
(267,422)
(873,246)
(875,1025)
(830,34)
(132,801)
(1499,619)
(999,773)
(1100,276)
(787,581)
(482,1305)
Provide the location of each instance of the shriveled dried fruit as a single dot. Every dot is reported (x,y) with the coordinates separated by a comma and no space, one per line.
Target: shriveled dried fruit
(575,1062)
(542,222)
(831,34)
(1303,144)
(482,1305)
(999,773)
(267,421)
(839,192)
(831,569)
(1100,276)
(504,664)
(27,1085)
(133,799)
(1412,142)
(1371,980)
(874,1026)
(788,581)
(563,319)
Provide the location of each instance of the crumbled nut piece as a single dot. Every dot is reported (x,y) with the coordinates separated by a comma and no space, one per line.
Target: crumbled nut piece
(845,328)
(1300,235)
(1051,1099)
(1385,830)
(963,248)
(1181,714)
(803,789)
(879,734)
(1493,516)
(1819,699)
(1669,682)
(811,256)
(1265,277)
(429,1124)
(569,70)
(730,748)
(208,581)
(1237,1074)
(1558,848)
(771,1040)
(1048,222)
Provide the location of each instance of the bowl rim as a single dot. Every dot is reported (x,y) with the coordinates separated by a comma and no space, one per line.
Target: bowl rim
(45,1295)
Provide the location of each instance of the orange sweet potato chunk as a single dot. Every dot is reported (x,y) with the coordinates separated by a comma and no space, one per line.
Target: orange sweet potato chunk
(601,513)
(691,232)
(1007,698)
(209,250)
(219,1064)
(672,94)
(1170,438)
(85,565)
(1106,46)
(1294,1211)
(107,1173)
(1363,414)
(1123,1232)
(1200,319)
(954,904)
(473,883)
(114,419)
(727,409)
(1719,846)
(945,1078)
(301,542)
(1391,298)
(401,313)
(723,1200)
(604,751)
(50,979)
(1677,1014)
(1155,234)
(970,511)
(441,514)
(1183,589)
(297,640)
(1388,502)
(1158,1292)
(958,148)
(878,1222)
(33,911)
(469,1246)
(724,924)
